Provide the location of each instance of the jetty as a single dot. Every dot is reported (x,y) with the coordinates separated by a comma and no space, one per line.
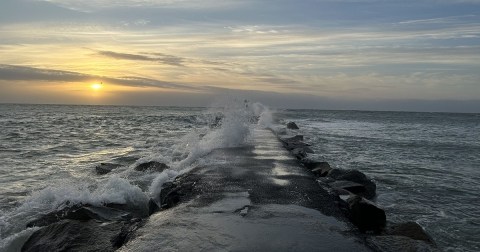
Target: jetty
(265,195)
(252,198)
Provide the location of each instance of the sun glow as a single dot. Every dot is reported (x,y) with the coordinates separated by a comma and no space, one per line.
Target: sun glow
(96,86)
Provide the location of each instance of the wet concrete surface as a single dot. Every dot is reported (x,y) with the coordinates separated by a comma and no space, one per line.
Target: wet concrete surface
(252,198)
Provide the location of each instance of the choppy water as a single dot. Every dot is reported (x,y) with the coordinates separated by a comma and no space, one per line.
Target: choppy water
(425,164)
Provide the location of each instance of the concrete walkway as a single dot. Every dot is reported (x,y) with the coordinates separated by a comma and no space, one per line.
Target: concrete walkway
(253,198)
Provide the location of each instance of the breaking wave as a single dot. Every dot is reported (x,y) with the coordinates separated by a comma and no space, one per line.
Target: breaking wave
(227,123)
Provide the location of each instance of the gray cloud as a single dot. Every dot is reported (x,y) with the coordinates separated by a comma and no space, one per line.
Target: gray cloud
(159,57)
(22,73)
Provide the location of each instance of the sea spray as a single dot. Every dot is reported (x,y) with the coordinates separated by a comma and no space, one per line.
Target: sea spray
(231,128)
(264,115)
(156,186)
(226,124)
(113,190)
(229,124)
(16,241)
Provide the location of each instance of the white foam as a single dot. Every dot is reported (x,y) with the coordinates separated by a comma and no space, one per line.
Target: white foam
(113,190)
(233,131)
(165,176)
(265,117)
(15,242)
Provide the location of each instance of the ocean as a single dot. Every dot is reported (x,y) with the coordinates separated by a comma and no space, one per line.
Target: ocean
(425,165)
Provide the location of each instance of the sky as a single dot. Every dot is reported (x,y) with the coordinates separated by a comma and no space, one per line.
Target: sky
(413,55)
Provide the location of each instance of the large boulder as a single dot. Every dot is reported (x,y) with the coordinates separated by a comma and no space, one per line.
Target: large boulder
(292,125)
(357,177)
(393,243)
(127,232)
(104,168)
(153,207)
(366,215)
(299,153)
(410,229)
(151,166)
(74,235)
(80,212)
(320,169)
(296,138)
(350,186)
(169,195)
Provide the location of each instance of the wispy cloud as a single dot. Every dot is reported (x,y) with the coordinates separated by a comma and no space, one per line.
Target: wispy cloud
(159,57)
(440,20)
(23,73)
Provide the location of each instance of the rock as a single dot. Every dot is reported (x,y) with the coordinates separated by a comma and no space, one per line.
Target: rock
(299,153)
(81,213)
(151,166)
(75,212)
(326,180)
(169,196)
(126,233)
(152,207)
(292,125)
(135,210)
(296,138)
(320,169)
(311,164)
(105,168)
(73,235)
(298,145)
(357,177)
(366,215)
(410,229)
(393,243)
(293,142)
(347,185)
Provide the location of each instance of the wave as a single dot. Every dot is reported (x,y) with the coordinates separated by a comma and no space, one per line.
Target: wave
(227,123)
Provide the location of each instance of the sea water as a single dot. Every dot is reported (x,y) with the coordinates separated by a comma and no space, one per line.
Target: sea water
(425,164)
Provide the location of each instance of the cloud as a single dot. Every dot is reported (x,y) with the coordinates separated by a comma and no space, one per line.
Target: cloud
(440,20)
(22,73)
(159,57)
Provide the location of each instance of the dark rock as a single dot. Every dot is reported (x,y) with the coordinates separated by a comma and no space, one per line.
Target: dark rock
(299,153)
(151,166)
(292,125)
(296,138)
(410,229)
(81,213)
(358,177)
(75,212)
(311,164)
(169,195)
(73,235)
(325,180)
(393,243)
(126,233)
(294,142)
(297,145)
(152,207)
(308,150)
(105,168)
(135,210)
(347,185)
(366,215)
(320,169)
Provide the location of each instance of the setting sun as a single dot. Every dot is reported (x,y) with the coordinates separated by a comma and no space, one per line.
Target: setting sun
(96,86)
